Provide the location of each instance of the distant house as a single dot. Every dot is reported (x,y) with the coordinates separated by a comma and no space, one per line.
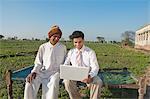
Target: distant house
(142,38)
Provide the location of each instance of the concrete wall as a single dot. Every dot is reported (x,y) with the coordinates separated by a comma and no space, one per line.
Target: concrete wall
(142,38)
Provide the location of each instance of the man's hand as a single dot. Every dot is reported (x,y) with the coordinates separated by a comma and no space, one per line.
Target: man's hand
(87,80)
(30,77)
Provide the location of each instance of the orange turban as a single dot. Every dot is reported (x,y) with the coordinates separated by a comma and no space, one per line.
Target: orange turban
(54,30)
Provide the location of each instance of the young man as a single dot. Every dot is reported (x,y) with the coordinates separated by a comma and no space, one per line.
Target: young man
(46,70)
(83,56)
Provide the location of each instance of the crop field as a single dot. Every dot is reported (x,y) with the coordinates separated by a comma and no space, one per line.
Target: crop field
(16,54)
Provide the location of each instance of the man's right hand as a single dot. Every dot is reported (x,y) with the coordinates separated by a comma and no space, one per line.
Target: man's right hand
(30,77)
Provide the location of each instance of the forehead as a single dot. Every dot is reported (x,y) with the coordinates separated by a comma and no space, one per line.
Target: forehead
(78,39)
(56,34)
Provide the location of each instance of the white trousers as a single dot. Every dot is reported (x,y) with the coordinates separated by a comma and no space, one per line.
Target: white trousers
(50,87)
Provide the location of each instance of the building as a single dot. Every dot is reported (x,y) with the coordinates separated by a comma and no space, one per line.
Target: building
(142,38)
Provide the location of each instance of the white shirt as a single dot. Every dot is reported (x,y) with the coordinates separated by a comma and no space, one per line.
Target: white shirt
(48,59)
(88,59)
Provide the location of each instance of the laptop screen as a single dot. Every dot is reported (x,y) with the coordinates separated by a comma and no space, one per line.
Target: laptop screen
(70,72)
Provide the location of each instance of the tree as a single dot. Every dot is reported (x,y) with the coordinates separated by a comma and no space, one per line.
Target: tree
(1,36)
(128,38)
(13,38)
(100,39)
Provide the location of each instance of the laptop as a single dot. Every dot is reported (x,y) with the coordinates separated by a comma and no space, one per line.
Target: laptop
(70,72)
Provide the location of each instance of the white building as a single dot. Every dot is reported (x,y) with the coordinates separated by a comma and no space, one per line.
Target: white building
(142,38)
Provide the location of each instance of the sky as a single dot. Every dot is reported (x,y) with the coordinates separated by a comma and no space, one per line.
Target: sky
(105,18)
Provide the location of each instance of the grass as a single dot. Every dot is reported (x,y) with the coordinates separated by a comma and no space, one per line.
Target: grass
(108,55)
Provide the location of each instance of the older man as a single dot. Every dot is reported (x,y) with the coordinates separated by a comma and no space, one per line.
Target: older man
(46,70)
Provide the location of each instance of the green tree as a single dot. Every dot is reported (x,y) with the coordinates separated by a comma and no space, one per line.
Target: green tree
(1,36)
(100,39)
(128,38)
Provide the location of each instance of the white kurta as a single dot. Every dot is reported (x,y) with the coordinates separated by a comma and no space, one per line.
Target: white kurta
(49,57)
(47,64)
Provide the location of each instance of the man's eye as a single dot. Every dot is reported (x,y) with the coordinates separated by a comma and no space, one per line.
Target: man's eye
(57,36)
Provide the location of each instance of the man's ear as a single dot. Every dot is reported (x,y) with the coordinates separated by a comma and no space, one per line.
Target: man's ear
(49,35)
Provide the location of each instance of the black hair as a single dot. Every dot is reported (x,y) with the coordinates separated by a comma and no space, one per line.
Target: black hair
(77,34)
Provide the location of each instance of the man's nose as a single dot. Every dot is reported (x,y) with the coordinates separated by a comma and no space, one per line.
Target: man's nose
(57,38)
(78,44)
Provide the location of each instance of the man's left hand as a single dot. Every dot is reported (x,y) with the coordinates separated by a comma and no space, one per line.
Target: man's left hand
(88,80)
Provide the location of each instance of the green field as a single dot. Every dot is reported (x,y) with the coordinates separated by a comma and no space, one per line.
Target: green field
(109,55)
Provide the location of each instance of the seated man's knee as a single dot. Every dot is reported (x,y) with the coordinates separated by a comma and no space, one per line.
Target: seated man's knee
(66,82)
(98,81)
(55,78)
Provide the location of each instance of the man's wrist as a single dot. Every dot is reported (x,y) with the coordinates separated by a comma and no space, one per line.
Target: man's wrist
(89,76)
